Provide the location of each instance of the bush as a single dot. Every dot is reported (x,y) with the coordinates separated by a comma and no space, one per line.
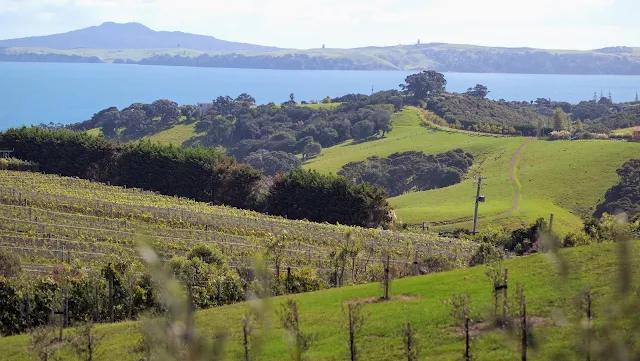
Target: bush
(560,135)
(621,136)
(9,264)
(17,164)
(576,239)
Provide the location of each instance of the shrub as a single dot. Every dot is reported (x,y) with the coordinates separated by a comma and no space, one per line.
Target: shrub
(622,136)
(576,239)
(9,264)
(17,164)
(560,135)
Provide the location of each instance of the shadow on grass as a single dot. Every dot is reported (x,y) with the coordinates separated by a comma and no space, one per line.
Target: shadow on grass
(366,140)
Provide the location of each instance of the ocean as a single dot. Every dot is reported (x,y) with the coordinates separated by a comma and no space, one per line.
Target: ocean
(34,93)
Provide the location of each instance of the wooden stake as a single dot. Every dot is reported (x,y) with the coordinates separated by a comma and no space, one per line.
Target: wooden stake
(467,354)
(524,328)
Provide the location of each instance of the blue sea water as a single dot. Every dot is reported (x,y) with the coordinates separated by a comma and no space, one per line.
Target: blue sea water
(34,93)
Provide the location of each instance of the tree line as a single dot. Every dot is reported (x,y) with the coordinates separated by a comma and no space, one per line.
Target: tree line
(266,136)
(403,172)
(203,174)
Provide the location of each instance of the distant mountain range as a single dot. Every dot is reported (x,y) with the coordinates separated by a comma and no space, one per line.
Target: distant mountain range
(134,43)
(129,36)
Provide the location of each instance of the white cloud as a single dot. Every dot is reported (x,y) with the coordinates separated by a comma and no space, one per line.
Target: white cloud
(346,23)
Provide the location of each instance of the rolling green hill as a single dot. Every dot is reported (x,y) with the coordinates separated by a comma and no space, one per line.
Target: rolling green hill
(527,178)
(417,300)
(443,57)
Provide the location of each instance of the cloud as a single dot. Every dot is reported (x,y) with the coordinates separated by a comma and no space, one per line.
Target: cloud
(347,23)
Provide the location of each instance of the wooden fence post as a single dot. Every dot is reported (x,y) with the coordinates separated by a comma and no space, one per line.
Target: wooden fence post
(589,316)
(524,328)
(467,353)
(505,295)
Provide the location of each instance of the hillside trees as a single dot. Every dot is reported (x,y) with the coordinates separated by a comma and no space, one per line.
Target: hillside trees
(589,110)
(168,111)
(403,172)
(478,91)
(624,196)
(203,174)
(426,84)
(307,194)
(272,162)
(560,121)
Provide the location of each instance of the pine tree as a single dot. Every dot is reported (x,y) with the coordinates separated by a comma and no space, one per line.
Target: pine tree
(595,97)
(637,100)
(610,98)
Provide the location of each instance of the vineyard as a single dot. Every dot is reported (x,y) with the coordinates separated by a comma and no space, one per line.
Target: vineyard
(47,217)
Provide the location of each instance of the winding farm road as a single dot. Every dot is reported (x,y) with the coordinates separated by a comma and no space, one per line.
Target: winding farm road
(516,191)
(514,183)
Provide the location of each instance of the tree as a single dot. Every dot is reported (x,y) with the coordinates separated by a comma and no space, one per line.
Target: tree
(300,341)
(224,105)
(208,255)
(589,110)
(410,340)
(9,264)
(637,100)
(43,343)
(559,119)
(425,84)
(312,150)
(86,341)
(326,100)
(168,111)
(246,99)
(356,321)
(362,129)
(606,102)
(381,119)
(272,162)
(479,91)
(220,128)
(292,98)
(191,112)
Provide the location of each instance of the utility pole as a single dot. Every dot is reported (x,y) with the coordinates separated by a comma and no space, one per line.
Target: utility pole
(479,199)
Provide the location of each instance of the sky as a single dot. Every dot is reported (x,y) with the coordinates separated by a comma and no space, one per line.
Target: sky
(303,24)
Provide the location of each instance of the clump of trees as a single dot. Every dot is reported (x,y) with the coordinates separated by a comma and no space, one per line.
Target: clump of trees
(410,171)
(203,174)
(624,196)
(307,194)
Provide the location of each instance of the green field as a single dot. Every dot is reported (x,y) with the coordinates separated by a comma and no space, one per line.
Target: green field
(416,300)
(175,135)
(563,178)
(623,131)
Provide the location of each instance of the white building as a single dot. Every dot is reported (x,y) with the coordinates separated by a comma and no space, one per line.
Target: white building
(204,107)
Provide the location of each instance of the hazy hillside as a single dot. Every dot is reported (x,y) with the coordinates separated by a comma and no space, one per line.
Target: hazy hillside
(134,43)
(128,36)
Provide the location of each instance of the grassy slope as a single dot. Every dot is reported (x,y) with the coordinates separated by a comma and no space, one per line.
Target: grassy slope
(581,172)
(623,131)
(401,57)
(592,266)
(176,135)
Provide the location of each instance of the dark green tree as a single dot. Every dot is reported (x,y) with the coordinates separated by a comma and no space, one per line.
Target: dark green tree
(423,85)
(312,150)
(479,91)
(363,129)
